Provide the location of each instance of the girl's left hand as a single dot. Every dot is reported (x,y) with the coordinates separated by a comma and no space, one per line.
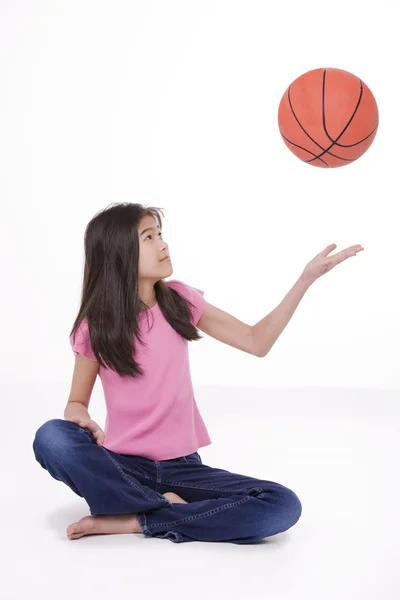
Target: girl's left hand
(322,263)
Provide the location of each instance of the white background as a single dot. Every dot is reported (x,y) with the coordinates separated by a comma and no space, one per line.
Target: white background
(175,104)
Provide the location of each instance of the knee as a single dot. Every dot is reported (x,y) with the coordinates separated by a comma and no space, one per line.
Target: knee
(283,509)
(291,507)
(51,438)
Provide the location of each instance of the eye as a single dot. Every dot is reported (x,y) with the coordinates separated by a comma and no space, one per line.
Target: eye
(149,236)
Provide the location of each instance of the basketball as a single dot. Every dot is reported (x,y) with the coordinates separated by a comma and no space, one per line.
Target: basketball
(328,117)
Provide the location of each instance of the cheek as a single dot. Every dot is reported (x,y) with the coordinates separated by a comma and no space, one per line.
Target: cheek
(143,259)
(147,259)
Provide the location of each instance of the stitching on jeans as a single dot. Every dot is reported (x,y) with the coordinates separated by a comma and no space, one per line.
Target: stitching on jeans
(131,483)
(133,472)
(193,486)
(207,487)
(205,514)
(186,485)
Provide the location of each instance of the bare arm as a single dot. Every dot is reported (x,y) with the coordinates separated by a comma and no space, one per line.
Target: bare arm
(226,329)
(267,331)
(257,339)
(83,380)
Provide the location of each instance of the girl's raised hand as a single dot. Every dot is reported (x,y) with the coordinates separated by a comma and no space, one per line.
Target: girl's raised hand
(322,262)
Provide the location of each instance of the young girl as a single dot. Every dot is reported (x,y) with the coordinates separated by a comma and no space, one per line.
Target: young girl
(144,473)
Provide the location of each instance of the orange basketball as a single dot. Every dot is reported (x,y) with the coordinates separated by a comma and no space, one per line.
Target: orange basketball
(328,117)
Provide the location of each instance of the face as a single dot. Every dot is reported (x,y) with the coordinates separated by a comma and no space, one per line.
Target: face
(152,250)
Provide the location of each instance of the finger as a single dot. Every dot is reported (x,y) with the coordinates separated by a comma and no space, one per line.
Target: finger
(90,425)
(99,435)
(350,250)
(343,255)
(327,250)
(94,429)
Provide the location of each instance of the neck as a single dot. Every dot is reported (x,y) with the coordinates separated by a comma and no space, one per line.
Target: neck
(147,293)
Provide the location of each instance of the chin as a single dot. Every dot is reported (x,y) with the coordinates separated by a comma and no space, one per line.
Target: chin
(167,270)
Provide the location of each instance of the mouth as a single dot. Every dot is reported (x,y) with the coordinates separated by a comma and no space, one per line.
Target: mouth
(166,258)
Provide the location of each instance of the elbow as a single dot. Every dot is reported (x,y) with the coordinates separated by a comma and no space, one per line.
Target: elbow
(258,352)
(255,347)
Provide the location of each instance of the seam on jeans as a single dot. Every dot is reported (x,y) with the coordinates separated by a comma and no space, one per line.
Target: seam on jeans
(141,517)
(138,473)
(133,472)
(131,483)
(88,434)
(209,487)
(201,515)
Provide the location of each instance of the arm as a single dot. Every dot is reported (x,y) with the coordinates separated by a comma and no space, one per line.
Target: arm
(83,380)
(257,339)
(267,331)
(227,329)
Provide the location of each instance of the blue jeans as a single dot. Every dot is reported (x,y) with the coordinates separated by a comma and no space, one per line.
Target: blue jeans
(222,506)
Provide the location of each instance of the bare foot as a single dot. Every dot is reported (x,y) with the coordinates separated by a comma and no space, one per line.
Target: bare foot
(104,524)
(107,524)
(174,498)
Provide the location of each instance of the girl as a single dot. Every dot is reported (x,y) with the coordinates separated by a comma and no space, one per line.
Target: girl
(144,473)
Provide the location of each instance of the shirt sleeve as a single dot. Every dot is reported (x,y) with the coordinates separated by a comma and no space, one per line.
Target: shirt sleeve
(194,295)
(82,345)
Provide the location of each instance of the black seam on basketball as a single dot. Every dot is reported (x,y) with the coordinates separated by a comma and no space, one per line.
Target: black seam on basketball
(305,150)
(298,122)
(356,143)
(339,157)
(312,139)
(324,121)
(351,118)
(334,142)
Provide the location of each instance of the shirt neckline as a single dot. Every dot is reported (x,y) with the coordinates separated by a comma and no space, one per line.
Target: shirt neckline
(154,310)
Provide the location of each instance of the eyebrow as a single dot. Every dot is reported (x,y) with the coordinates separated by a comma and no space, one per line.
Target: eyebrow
(148,229)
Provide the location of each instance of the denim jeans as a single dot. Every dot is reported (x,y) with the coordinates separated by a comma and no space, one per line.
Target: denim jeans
(222,506)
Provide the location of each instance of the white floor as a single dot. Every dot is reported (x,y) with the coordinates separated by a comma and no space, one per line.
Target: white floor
(337,449)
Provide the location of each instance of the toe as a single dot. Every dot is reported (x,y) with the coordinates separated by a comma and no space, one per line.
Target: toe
(74,533)
(82,527)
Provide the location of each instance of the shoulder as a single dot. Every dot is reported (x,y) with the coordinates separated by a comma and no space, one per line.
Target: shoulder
(184,289)
(80,342)
(192,294)
(82,332)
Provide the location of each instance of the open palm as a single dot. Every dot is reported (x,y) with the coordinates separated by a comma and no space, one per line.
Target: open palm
(322,262)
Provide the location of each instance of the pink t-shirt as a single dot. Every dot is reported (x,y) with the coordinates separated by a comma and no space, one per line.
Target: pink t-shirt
(154,415)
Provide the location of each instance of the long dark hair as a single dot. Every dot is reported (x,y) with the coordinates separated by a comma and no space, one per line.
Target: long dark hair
(110,292)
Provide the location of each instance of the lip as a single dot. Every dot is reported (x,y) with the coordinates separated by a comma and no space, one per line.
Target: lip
(166,258)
